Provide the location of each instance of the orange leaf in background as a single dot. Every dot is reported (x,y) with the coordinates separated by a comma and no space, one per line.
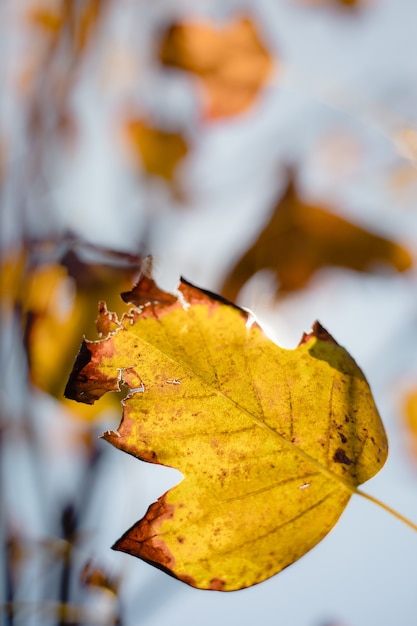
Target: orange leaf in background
(158,151)
(300,239)
(231,61)
(271,442)
(410,414)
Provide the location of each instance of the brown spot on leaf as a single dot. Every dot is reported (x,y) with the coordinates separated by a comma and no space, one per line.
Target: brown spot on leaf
(341,457)
(217,584)
(188,580)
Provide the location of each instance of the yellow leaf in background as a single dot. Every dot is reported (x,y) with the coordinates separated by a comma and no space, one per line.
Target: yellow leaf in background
(301,238)
(58,303)
(12,270)
(410,413)
(231,61)
(271,442)
(157,150)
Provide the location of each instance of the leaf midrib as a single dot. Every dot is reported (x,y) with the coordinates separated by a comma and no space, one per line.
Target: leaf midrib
(261,424)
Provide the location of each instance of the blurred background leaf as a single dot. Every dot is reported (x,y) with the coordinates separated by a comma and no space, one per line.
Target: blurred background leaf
(302,238)
(230,59)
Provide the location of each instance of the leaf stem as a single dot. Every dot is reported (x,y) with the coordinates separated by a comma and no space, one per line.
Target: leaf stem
(352,488)
(387,508)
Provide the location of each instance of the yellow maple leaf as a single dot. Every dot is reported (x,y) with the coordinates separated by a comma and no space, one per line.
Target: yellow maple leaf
(301,238)
(271,442)
(230,60)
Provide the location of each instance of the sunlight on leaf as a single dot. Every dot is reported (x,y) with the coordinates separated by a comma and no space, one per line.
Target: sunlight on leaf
(301,238)
(271,442)
(230,59)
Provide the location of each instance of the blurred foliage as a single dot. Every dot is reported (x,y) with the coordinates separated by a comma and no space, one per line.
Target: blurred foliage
(302,238)
(67,22)
(94,576)
(230,60)
(57,303)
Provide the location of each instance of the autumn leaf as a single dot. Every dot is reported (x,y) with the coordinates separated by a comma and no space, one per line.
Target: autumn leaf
(301,239)
(271,442)
(230,60)
(157,150)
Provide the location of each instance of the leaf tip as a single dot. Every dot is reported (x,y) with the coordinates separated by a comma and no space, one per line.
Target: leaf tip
(144,541)
(107,322)
(146,291)
(110,435)
(318,332)
(194,295)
